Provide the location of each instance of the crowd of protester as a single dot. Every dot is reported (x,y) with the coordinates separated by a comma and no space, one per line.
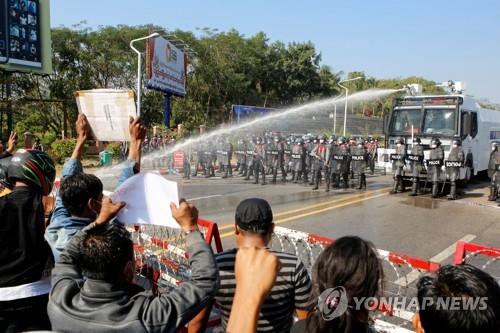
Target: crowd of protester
(77,274)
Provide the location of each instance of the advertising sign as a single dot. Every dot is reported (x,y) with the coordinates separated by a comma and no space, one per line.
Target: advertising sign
(25,43)
(166,67)
(245,112)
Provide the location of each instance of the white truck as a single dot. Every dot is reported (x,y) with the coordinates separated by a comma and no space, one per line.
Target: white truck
(445,117)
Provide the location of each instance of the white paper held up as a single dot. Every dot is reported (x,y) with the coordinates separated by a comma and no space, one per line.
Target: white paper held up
(108,112)
(148,197)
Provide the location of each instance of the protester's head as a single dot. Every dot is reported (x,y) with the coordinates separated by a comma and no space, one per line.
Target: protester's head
(81,194)
(33,168)
(352,264)
(458,299)
(254,220)
(107,253)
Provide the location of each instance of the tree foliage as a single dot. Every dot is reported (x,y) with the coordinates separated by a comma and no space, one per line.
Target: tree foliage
(228,68)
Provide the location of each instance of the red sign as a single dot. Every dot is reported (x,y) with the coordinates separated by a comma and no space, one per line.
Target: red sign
(178,159)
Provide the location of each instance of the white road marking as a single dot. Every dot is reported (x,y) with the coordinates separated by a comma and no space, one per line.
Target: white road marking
(206,197)
(440,257)
(383,326)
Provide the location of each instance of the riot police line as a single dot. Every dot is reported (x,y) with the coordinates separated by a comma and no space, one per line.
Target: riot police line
(306,159)
(432,166)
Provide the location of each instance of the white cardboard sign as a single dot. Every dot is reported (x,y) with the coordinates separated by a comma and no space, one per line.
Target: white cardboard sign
(108,112)
(148,197)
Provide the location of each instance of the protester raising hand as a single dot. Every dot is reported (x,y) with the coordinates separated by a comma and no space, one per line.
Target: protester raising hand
(256,270)
(11,145)
(82,134)
(137,132)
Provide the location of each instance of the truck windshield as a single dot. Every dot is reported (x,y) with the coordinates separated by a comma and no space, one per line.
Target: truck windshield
(439,121)
(402,121)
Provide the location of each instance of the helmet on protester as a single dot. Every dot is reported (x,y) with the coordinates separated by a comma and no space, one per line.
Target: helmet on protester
(33,166)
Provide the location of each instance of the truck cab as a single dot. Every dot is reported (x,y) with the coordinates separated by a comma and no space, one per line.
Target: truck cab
(445,117)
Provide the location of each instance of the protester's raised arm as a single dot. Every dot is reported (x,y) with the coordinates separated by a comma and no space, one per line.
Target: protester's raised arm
(82,134)
(252,287)
(11,145)
(137,135)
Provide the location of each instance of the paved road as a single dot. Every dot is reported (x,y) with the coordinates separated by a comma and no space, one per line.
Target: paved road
(418,226)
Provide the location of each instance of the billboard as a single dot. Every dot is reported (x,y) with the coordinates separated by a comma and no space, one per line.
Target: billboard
(166,67)
(25,43)
(245,112)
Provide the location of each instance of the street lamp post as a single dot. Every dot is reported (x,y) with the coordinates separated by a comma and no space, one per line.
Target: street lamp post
(346,95)
(153,35)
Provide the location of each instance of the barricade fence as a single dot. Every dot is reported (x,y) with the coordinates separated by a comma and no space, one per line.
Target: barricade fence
(163,263)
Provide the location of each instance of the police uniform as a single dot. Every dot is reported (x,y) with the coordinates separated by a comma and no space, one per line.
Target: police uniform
(359,163)
(494,171)
(416,159)
(434,164)
(321,156)
(455,161)
(398,164)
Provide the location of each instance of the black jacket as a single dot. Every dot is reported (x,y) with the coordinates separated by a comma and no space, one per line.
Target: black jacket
(76,305)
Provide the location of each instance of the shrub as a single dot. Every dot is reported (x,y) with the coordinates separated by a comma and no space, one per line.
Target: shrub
(114,147)
(62,149)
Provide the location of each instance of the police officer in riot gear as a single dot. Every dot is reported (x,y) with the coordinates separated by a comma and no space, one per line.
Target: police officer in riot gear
(259,154)
(321,155)
(494,171)
(298,159)
(227,155)
(219,148)
(455,161)
(359,162)
(332,163)
(371,148)
(342,157)
(241,154)
(199,162)
(434,164)
(249,172)
(210,156)
(398,163)
(287,154)
(278,159)
(416,159)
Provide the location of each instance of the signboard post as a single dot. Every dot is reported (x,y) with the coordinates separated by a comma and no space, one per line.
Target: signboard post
(166,71)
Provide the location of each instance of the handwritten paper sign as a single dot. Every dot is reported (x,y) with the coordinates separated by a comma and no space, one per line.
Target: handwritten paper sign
(108,112)
(148,197)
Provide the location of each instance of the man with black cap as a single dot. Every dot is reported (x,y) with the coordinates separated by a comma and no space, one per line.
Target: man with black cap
(253,228)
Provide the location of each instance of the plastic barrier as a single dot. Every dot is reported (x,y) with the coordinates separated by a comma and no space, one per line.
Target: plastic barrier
(481,256)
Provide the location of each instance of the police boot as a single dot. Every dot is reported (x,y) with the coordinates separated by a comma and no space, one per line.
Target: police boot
(327,187)
(414,188)
(317,184)
(493,193)
(228,168)
(256,180)
(336,180)
(401,185)
(225,173)
(263,179)
(453,191)
(360,182)
(395,186)
(435,189)
(274,179)
(313,176)
(363,181)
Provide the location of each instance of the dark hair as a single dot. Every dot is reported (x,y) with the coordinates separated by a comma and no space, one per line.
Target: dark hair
(352,263)
(77,189)
(105,251)
(463,282)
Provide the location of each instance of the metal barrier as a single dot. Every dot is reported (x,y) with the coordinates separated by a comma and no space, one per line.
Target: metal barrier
(483,257)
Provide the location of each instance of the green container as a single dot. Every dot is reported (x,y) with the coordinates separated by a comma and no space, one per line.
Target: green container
(106,158)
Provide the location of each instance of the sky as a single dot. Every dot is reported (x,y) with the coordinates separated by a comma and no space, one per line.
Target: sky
(438,40)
